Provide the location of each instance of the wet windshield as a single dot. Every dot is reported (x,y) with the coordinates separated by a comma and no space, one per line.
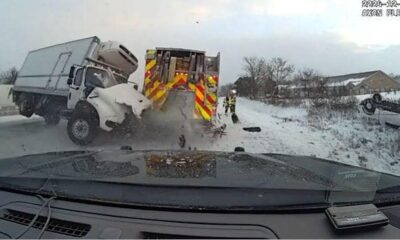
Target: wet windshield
(299,95)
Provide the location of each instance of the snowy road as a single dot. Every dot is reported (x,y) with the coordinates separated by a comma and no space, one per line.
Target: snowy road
(284,130)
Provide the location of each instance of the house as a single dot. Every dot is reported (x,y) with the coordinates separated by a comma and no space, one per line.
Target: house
(360,83)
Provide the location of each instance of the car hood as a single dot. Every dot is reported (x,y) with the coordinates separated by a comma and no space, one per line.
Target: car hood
(195,179)
(195,168)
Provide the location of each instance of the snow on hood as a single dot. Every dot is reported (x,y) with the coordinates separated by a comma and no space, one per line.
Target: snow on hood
(125,94)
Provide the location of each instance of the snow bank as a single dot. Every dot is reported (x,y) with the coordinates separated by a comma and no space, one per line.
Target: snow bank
(349,139)
(5,99)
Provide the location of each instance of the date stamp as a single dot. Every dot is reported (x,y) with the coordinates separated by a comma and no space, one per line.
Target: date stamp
(380,8)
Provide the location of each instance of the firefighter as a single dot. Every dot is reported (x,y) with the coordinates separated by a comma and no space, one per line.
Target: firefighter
(226,104)
(232,101)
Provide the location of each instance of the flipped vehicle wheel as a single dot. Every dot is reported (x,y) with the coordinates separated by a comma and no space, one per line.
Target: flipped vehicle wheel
(51,119)
(377,98)
(82,128)
(368,106)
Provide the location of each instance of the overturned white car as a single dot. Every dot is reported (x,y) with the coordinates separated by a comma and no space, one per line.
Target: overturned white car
(385,111)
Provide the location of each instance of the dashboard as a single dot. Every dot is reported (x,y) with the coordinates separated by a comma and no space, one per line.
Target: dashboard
(70,219)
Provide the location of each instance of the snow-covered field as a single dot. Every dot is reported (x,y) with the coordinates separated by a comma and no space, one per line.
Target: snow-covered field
(347,138)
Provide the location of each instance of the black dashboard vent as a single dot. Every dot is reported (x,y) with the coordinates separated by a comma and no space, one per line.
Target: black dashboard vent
(55,225)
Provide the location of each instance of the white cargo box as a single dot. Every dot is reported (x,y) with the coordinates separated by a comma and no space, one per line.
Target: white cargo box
(46,70)
(116,54)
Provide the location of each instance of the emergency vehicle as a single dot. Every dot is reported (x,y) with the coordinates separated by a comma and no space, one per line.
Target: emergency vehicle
(188,75)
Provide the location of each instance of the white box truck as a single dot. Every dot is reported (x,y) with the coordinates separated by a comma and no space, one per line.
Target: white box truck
(84,81)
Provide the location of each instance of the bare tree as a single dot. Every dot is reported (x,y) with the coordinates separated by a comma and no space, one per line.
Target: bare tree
(321,89)
(9,76)
(308,79)
(255,70)
(279,70)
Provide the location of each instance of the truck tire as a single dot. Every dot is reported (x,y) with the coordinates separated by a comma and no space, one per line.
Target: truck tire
(82,128)
(51,119)
(26,105)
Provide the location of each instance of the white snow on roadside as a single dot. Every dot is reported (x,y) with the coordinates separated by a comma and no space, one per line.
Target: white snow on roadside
(288,130)
(16,118)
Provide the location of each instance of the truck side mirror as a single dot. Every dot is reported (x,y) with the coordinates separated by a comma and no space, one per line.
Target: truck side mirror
(71,75)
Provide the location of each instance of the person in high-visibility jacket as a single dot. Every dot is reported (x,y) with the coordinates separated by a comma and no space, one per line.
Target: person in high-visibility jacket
(232,103)
(226,104)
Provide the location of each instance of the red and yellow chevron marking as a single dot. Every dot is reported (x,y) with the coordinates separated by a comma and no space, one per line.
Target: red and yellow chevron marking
(158,92)
(149,70)
(213,80)
(204,102)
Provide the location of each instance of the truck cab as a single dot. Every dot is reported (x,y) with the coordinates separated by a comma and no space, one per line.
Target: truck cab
(84,81)
(100,98)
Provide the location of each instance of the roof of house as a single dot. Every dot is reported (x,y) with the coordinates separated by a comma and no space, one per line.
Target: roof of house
(353,78)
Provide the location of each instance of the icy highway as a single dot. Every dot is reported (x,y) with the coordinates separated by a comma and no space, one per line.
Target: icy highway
(283,130)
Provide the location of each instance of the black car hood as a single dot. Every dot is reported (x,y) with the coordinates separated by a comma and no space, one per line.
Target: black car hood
(193,179)
(187,168)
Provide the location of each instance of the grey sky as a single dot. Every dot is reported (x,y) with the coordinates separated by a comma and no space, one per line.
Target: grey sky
(330,36)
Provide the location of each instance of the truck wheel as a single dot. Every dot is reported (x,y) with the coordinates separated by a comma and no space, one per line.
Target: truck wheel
(25,104)
(51,119)
(82,128)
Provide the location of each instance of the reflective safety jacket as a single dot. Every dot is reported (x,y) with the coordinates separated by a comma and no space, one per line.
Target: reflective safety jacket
(232,100)
(226,102)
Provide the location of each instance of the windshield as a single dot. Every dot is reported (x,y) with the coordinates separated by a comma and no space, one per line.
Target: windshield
(98,78)
(258,95)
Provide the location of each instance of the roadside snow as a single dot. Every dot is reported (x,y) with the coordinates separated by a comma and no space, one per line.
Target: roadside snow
(289,130)
(16,118)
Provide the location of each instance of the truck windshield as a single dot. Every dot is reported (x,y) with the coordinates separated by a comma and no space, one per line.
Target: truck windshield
(98,78)
(120,78)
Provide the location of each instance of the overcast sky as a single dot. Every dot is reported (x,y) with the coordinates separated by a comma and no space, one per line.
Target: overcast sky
(330,36)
